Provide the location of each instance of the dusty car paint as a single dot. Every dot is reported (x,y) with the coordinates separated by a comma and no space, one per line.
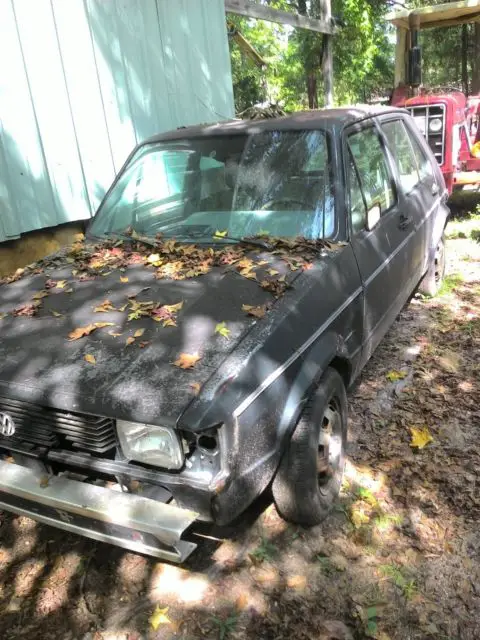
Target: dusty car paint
(254,385)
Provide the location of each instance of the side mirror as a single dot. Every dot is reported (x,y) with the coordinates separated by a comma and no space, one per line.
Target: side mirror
(373,216)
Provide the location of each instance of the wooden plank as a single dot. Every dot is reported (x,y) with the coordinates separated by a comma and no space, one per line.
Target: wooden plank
(262,12)
(441,15)
(328,60)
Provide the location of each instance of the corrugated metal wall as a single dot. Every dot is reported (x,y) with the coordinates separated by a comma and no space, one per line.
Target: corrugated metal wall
(81,81)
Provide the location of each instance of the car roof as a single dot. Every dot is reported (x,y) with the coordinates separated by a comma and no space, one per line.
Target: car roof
(301,120)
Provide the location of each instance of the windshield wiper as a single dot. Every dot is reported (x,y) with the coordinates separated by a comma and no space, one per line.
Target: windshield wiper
(255,242)
(124,236)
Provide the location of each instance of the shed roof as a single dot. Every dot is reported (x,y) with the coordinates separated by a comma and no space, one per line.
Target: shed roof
(440,15)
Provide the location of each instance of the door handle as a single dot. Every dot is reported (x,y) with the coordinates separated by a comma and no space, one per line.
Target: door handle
(405,222)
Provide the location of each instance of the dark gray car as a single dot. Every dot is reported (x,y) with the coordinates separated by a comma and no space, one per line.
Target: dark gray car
(195,349)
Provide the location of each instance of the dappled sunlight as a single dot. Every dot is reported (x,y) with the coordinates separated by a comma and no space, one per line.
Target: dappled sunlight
(177,583)
(54,591)
(397,556)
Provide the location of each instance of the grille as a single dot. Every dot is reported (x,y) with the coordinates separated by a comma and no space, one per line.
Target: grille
(53,428)
(436,139)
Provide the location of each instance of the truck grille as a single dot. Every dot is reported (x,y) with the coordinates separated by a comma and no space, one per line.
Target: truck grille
(53,428)
(423,116)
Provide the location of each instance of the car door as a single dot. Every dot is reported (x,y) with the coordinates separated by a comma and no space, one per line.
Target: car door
(417,193)
(433,190)
(382,242)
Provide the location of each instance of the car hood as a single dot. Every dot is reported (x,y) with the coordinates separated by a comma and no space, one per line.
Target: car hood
(114,371)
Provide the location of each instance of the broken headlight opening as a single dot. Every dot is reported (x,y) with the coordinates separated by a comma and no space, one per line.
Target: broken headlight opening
(150,444)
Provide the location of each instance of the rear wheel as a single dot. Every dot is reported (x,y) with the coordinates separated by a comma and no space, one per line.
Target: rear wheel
(310,474)
(433,279)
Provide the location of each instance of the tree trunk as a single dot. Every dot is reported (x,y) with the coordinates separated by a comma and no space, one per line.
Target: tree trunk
(464,59)
(476,59)
(312,90)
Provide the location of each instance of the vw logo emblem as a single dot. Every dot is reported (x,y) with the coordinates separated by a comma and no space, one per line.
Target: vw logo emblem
(7,425)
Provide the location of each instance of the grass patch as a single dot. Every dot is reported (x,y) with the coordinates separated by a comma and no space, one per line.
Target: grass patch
(450,283)
(396,574)
(385,521)
(465,228)
(225,627)
(265,551)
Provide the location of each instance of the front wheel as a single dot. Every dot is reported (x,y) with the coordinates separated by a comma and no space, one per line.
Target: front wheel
(310,474)
(433,279)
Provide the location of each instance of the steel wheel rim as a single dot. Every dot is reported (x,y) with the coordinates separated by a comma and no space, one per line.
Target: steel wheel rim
(439,262)
(330,446)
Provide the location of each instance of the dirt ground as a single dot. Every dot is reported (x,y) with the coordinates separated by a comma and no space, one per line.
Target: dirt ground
(398,558)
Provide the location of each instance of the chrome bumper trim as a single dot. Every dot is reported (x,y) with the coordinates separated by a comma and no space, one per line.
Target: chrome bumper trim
(104,514)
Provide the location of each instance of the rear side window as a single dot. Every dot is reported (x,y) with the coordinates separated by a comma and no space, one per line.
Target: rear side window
(402,152)
(373,172)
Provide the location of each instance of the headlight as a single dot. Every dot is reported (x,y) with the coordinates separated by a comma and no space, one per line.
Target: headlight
(435,125)
(159,446)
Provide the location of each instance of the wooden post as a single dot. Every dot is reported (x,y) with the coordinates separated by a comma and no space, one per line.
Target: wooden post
(400,57)
(328,57)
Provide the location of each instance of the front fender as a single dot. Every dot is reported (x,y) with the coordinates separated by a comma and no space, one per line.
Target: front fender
(261,432)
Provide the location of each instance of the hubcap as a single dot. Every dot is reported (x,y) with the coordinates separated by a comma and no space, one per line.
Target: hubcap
(329,457)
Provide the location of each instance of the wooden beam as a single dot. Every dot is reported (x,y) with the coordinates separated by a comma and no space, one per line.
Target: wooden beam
(328,59)
(262,12)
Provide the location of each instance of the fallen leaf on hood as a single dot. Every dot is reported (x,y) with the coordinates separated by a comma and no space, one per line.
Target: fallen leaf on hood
(89,358)
(273,272)
(56,314)
(158,617)
(115,335)
(3,315)
(222,329)
(49,284)
(105,306)
(61,284)
(420,437)
(123,278)
(257,312)
(43,482)
(40,295)
(130,341)
(220,234)
(394,376)
(187,360)
(143,344)
(139,333)
(28,310)
(80,332)
(195,387)
(154,258)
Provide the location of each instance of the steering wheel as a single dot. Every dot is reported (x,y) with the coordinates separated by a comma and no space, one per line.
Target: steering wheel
(268,205)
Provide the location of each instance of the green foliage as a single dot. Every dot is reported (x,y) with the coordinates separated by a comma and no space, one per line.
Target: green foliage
(362,55)
(225,626)
(265,551)
(397,575)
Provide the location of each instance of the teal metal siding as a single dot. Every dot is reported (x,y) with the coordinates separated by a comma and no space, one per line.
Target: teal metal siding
(82,81)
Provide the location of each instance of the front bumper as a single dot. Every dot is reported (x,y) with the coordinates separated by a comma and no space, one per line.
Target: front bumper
(123,519)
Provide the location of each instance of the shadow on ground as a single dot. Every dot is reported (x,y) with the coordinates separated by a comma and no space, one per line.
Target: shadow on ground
(398,557)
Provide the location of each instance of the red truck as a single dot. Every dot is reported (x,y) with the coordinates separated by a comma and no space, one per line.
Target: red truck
(448,120)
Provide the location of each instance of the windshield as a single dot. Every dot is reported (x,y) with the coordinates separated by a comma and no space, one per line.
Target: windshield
(275,183)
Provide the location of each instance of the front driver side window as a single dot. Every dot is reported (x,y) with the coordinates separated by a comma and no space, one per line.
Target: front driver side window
(373,171)
(358,211)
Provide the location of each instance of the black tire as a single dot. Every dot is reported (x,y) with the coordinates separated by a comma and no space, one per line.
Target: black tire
(433,279)
(302,494)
